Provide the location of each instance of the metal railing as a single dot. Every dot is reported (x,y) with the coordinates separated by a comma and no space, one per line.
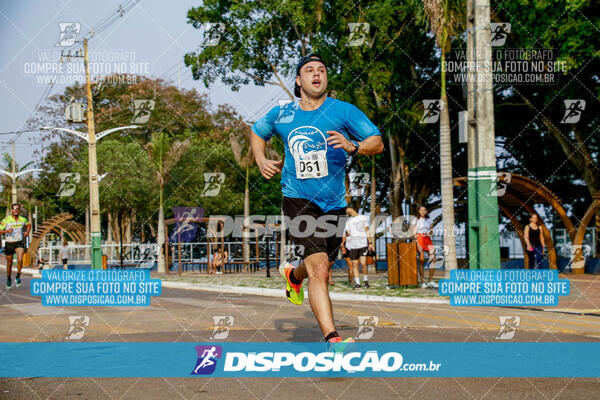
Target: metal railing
(142,255)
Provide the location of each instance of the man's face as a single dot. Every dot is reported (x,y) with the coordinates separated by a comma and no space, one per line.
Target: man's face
(313,79)
(15,211)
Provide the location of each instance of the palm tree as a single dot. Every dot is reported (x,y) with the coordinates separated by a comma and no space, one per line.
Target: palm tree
(240,146)
(446,21)
(164,155)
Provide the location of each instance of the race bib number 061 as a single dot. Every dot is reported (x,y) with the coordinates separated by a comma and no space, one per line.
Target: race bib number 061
(313,165)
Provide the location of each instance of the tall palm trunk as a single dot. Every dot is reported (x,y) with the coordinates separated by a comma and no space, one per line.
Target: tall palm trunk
(395,190)
(373,203)
(246,235)
(160,239)
(446,177)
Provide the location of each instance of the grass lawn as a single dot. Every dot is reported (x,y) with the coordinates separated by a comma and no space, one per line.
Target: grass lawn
(378,283)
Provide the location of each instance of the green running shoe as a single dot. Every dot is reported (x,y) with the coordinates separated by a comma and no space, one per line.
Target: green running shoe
(339,345)
(294,293)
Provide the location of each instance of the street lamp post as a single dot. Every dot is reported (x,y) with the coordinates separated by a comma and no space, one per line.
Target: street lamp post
(95,234)
(13,176)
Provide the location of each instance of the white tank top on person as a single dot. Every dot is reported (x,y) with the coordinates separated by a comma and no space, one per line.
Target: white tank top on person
(355,230)
(423,226)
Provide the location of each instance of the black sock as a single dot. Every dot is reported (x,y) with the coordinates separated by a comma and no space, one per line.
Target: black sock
(293,279)
(18,275)
(332,335)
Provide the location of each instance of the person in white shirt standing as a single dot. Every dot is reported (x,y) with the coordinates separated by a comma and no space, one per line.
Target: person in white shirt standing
(357,242)
(424,244)
(65,254)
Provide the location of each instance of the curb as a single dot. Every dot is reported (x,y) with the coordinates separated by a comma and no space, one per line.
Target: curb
(279,293)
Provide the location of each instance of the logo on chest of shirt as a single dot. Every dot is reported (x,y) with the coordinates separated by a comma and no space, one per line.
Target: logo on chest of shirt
(306,140)
(309,149)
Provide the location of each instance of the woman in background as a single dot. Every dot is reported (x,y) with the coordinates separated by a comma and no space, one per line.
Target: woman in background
(425,244)
(535,242)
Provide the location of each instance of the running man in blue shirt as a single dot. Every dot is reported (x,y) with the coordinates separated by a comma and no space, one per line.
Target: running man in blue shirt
(319,132)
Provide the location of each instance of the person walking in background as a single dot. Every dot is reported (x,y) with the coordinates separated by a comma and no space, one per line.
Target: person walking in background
(357,240)
(65,254)
(425,244)
(534,238)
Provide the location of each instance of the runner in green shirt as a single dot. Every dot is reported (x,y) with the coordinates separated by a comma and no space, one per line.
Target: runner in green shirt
(12,227)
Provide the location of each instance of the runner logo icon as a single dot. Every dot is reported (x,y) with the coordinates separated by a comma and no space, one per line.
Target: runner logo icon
(366,326)
(508,327)
(212,183)
(77,326)
(207,359)
(573,110)
(68,33)
(68,184)
(222,325)
(431,111)
(499,33)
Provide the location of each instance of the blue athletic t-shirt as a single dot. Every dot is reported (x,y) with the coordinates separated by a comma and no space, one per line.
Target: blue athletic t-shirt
(307,152)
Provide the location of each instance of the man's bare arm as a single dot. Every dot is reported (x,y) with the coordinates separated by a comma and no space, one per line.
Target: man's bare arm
(268,168)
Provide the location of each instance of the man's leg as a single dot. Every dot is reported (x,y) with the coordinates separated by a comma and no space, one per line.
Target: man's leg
(316,268)
(9,261)
(365,269)
(355,272)
(350,273)
(19,251)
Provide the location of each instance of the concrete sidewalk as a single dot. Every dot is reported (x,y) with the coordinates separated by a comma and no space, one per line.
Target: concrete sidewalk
(584,297)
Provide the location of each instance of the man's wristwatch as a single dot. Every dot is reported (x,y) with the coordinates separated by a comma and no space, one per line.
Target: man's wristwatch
(355,144)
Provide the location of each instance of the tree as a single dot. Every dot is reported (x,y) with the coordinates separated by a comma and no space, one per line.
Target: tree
(445,21)
(262,41)
(570,29)
(259,42)
(239,137)
(164,155)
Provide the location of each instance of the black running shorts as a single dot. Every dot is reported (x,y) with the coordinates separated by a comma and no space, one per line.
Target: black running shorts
(10,247)
(355,254)
(294,207)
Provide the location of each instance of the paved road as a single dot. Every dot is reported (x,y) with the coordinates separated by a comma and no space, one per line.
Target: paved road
(186,316)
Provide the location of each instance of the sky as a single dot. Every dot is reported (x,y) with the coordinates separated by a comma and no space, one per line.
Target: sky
(153,36)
